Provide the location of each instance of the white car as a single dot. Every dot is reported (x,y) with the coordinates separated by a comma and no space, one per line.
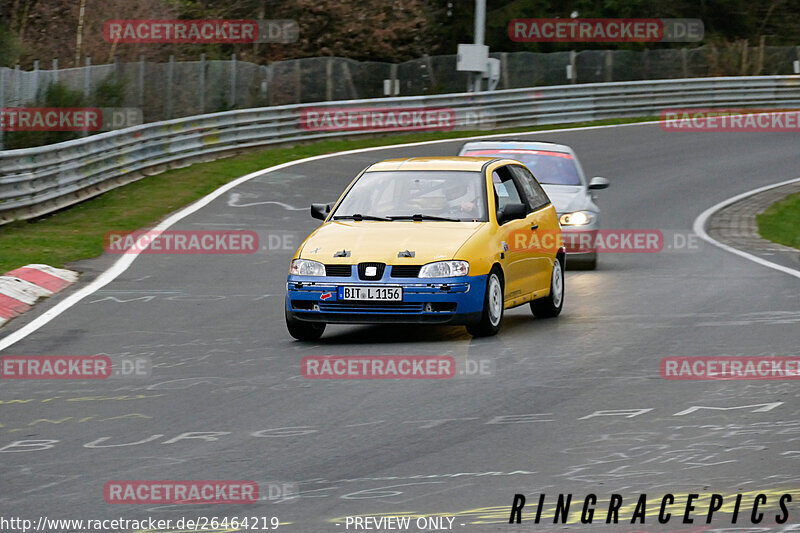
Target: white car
(557,168)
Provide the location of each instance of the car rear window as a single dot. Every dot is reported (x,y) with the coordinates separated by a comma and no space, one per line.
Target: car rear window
(555,168)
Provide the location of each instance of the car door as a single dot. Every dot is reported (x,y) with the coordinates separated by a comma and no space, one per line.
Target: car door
(544,233)
(515,265)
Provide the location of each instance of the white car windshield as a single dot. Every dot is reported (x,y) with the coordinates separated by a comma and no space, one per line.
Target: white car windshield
(416,195)
(554,168)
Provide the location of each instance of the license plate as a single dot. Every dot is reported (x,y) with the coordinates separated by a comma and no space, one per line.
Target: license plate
(380,294)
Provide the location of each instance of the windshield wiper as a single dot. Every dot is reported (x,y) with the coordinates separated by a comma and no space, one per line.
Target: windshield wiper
(420,217)
(358,217)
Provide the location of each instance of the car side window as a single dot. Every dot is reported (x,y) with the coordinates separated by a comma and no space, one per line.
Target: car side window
(534,193)
(505,189)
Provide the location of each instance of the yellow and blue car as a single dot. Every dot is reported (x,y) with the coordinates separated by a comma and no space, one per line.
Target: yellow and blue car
(434,240)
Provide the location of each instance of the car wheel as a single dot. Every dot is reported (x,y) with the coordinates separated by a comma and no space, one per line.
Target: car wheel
(493,302)
(551,306)
(304,331)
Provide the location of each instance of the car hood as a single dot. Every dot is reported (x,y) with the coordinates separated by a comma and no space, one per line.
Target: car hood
(382,241)
(568,198)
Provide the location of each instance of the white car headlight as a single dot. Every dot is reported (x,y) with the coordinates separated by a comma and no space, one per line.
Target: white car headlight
(577,218)
(304,267)
(444,269)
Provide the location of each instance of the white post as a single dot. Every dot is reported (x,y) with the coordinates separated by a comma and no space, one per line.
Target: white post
(480,25)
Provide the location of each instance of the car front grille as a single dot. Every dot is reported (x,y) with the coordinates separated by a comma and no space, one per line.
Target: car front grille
(405,271)
(370,307)
(362,270)
(339,271)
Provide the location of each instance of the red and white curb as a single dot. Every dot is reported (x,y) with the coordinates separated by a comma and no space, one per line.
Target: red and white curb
(20,288)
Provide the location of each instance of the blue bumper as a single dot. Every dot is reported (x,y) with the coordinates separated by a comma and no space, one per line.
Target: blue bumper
(457,301)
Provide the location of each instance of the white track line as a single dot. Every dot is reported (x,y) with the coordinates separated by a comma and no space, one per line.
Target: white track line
(124,262)
(700,225)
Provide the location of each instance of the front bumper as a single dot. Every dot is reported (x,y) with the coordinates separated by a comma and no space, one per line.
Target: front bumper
(457,301)
(579,241)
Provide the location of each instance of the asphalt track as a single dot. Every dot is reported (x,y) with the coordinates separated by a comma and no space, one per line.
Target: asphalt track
(224,365)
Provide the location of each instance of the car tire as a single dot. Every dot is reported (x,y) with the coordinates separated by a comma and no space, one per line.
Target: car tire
(493,306)
(551,306)
(304,331)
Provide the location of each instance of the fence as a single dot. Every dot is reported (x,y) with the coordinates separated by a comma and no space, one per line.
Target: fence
(36,181)
(178,89)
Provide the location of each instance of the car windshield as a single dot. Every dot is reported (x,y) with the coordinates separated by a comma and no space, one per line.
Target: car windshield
(416,195)
(554,168)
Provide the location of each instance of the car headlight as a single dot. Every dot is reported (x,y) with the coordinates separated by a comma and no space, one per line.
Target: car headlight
(304,267)
(444,269)
(577,218)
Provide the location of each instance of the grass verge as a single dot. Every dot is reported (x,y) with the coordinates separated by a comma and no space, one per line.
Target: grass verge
(780,222)
(77,232)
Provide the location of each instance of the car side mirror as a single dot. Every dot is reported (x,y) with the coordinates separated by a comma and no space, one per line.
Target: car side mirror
(599,183)
(511,212)
(320,211)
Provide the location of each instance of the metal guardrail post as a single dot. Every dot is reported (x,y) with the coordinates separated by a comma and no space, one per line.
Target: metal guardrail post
(2,99)
(141,81)
(87,78)
(202,83)
(329,80)
(17,85)
(573,71)
(233,81)
(35,79)
(797,62)
(170,80)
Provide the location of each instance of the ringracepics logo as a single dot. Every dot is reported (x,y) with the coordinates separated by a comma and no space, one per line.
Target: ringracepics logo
(728,120)
(377,119)
(201,31)
(752,507)
(68,118)
(182,242)
(180,492)
(605,30)
(729,368)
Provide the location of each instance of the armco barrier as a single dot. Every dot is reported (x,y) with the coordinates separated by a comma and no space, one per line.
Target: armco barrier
(36,181)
